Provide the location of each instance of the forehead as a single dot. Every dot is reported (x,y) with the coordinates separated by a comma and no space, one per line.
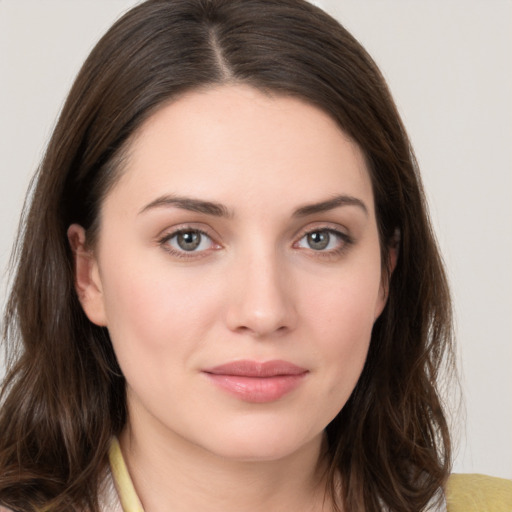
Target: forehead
(232,142)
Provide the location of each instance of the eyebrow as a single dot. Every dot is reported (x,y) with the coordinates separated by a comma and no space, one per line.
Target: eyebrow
(220,210)
(330,204)
(190,204)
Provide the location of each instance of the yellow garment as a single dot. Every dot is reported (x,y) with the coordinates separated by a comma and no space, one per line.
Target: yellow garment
(478,493)
(464,493)
(127,495)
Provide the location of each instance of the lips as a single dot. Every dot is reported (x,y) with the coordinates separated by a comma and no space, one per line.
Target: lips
(257,382)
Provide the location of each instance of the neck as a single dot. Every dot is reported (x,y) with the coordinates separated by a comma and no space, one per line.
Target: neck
(171,474)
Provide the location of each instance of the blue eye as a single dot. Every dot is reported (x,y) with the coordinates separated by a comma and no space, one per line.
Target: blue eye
(189,240)
(323,240)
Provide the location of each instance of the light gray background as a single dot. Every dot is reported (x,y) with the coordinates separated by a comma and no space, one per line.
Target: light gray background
(449,65)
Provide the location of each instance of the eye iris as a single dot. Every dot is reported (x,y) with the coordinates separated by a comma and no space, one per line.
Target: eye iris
(189,240)
(318,240)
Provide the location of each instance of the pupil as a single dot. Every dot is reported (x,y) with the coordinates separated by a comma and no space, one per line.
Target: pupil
(189,240)
(318,240)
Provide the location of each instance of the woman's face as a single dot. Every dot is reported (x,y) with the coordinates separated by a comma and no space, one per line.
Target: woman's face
(238,272)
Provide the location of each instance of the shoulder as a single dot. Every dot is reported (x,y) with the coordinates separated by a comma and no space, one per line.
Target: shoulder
(478,493)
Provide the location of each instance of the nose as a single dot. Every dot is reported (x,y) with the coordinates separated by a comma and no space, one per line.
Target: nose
(261,297)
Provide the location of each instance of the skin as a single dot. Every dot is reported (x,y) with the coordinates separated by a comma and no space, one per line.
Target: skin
(255,288)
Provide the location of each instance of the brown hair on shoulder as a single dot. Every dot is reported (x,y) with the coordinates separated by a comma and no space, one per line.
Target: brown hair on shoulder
(64,395)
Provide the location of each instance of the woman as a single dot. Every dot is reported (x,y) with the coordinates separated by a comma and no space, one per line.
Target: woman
(233,299)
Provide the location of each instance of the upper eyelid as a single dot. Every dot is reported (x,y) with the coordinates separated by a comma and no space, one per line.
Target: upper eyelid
(326,228)
(166,235)
(181,254)
(322,226)
(345,237)
(175,232)
(171,231)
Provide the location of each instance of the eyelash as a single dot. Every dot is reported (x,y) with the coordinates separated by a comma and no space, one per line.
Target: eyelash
(164,243)
(345,242)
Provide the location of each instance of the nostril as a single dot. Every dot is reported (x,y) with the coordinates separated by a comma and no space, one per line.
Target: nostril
(261,331)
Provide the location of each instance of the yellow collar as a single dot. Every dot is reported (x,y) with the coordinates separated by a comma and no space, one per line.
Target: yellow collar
(123,483)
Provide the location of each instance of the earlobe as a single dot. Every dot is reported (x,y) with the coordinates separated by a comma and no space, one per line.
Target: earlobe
(88,284)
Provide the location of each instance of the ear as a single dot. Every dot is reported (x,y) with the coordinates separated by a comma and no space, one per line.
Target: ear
(87,277)
(393,251)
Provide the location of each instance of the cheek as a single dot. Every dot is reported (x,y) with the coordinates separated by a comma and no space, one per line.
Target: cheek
(344,307)
(152,315)
(341,319)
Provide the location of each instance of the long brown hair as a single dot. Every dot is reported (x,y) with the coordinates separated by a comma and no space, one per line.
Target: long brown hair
(64,394)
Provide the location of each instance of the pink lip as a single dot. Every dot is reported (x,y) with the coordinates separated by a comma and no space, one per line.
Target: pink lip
(257,382)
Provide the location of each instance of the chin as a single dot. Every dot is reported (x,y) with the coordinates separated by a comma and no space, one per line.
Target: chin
(261,443)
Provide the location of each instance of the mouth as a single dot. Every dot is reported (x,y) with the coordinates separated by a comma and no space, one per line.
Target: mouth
(257,382)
